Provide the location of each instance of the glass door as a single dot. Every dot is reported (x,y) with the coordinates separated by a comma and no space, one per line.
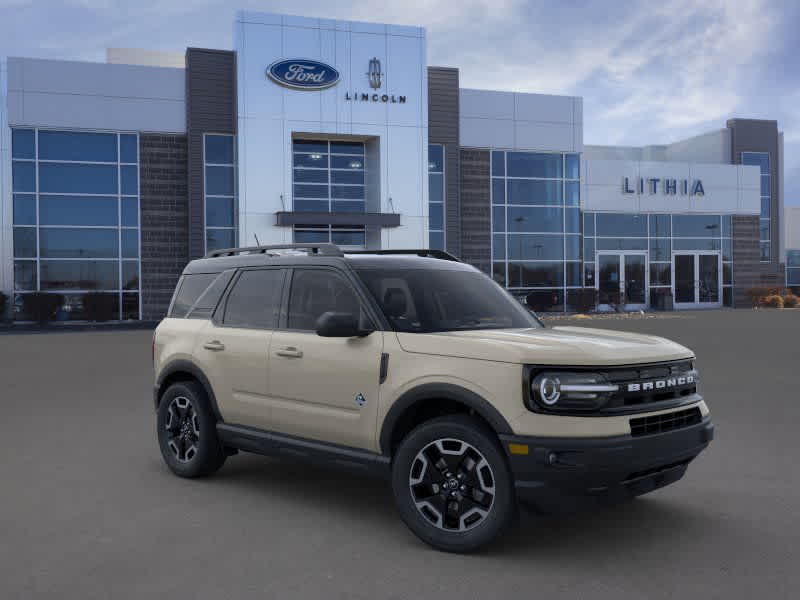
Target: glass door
(609,279)
(684,279)
(622,280)
(697,279)
(635,280)
(708,278)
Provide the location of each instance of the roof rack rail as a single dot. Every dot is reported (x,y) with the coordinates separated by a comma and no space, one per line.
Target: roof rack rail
(312,249)
(423,252)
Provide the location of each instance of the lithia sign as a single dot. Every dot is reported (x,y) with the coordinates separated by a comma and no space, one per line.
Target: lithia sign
(667,186)
(306,74)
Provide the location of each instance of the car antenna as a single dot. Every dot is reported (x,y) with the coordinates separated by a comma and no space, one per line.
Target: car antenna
(255,235)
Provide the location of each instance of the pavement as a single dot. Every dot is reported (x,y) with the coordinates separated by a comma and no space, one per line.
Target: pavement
(88,510)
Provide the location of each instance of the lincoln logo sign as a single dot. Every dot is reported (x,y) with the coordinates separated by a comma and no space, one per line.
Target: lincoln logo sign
(302,74)
(667,186)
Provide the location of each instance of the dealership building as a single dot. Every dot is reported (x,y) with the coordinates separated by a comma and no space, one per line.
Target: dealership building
(113,175)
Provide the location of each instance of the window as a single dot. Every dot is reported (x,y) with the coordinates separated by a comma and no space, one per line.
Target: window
(793,268)
(255,299)
(316,291)
(188,291)
(329,176)
(76,217)
(436,196)
(762,160)
(219,159)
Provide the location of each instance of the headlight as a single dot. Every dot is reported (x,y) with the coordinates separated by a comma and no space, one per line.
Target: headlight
(571,391)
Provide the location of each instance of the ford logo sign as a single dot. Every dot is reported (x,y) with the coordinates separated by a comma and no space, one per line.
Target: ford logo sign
(303,74)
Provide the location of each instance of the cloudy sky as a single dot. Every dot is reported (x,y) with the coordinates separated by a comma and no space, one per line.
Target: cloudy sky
(649,72)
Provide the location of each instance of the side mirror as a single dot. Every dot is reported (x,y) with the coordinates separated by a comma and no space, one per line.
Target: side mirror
(337,324)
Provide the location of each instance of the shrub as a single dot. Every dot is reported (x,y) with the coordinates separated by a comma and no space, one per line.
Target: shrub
(98,306)
(758,295)
(773,301)
(41,306)
(790,301)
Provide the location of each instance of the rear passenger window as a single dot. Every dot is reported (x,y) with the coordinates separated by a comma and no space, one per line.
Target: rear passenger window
(316,291)
(189,290)
(254,300)
(205,305)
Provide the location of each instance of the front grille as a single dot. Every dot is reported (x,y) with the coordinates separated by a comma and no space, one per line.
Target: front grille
(649,374)
(665,422)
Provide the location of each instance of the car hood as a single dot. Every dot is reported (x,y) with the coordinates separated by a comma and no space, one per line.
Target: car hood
(547,346)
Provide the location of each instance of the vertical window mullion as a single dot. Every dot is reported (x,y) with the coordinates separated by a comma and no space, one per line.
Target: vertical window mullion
(36,187)
(119,230)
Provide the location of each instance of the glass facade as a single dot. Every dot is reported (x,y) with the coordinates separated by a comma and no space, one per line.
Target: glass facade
(436,196)
(76,219)
(328,176)
(536,241)
(761,160)
(793,268)
(219,166)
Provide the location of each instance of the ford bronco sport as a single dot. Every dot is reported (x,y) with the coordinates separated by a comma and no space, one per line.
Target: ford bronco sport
(417,366)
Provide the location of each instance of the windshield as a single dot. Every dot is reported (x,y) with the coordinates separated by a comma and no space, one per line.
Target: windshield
(433,300)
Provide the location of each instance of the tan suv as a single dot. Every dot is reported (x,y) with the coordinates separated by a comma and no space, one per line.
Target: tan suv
(419,367)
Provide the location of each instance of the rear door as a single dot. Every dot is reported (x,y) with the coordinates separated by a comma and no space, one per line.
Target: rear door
(233,347)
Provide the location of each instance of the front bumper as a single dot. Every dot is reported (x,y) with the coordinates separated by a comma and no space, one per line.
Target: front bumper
(560,474)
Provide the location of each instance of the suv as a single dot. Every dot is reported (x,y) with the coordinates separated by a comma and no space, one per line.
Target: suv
(413,365)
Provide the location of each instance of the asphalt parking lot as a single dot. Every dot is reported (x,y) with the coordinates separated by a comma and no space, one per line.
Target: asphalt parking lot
(88,510)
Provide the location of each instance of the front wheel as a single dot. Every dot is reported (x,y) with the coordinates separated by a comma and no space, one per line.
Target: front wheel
(452,484)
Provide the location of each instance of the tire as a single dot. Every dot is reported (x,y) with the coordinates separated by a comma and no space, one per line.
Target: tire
(467,509)
(187,431)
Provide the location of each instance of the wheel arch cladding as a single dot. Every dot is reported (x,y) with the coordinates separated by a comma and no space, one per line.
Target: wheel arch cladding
(431,400)
(183,370)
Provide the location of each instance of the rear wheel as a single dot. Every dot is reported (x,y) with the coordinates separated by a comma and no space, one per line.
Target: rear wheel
(452,484)
(187,431)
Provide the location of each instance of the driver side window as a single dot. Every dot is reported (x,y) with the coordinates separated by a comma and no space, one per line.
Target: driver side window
(317,291)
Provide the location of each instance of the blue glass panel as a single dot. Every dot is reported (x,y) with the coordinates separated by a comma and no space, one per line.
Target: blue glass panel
(436,240)
(75,145)
(219,181)
(538,220)
(219,238)
(354,206)
(727,226)
(623,225)
(588,249)
(23,176)
(25,275)
(436,216)
(130,243)
(80,275)
(498,191)
(499,246)
(572,245)
(499,273)
(347,192)
(759,159)
(311,175)
(696,225)
(766,251)
(130,212)
(347,162)
(311,237)
(23,143)
(353,177)
(219,212)
(793,258)
(316,161)
(310,191)
(219,149)
(535,247)
(572,191)
(727,249)
(128,149)
(531,164)
(763,229)
(660,226)
(347,148)
(24,209)
(621,244)
(528,191)
(765,185)
(498,163)
(78,243)
(77,210)
(435,158)
(130,274)
(310,146)
(573,166)
(793,277)
(727,274)
(660,249)
(573,275)
(348,238)
(436,187)
(588,224)
(588,273)
(25,242)
(498,218)
(765,208)
(695,244)
(129,176)
(572,220)
(543,274)
(77,179)
(311,205)
(661,274)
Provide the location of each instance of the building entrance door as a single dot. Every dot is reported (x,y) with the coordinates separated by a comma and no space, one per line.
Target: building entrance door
(697,279)
(622,280)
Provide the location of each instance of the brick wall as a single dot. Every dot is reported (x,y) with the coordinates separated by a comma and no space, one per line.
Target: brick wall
(476,207)
(164,218)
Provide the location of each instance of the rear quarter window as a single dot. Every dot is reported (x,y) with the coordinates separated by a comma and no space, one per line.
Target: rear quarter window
(189,290)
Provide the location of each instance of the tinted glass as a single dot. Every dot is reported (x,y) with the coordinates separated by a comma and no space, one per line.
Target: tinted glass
(696,225)
(348,238)
(310,146)
(536,274)
(25,275)
(130,243)
(588,249)
(311,175)
(347,148)
(572,193)
(498,164)
(130,212)
(530,191)
(130,306)
(793,258)
(344,162)
(25,242)
(347,206)
(436,240)
(310,237)
(219,212)
(317,161)
(130,275)
(219,149)
(205,305)
(79,275)
(498,191)
(623,225)
(572,220)
(311,205)
(727,225)
(498,218)
(189,290)
(219,238)
(535,247)
(727,249)
(436,216)
(129,183)
(573,274)
(765,185)
(435,158)
(572,245)
(357,177)
(660,226)
(351,192)
(695,244)
(128,151)
(77,210)
(499,246)
(540,220)
(660,249)
(310,191)
(588,224)
(73,145)
(316,291)
(573,166)
(78,243)
(759,159)
(426,301)
(436,187)
(529,164)
(77,179)
(24,209)
(23,143)
(219,181)
(621,244)
(254,300)
(661,274)
(23,176)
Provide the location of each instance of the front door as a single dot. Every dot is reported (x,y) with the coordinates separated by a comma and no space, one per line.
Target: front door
(697,279)
(622,279)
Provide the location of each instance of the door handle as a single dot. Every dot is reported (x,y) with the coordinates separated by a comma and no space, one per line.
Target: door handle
(214,346)
(289,352)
